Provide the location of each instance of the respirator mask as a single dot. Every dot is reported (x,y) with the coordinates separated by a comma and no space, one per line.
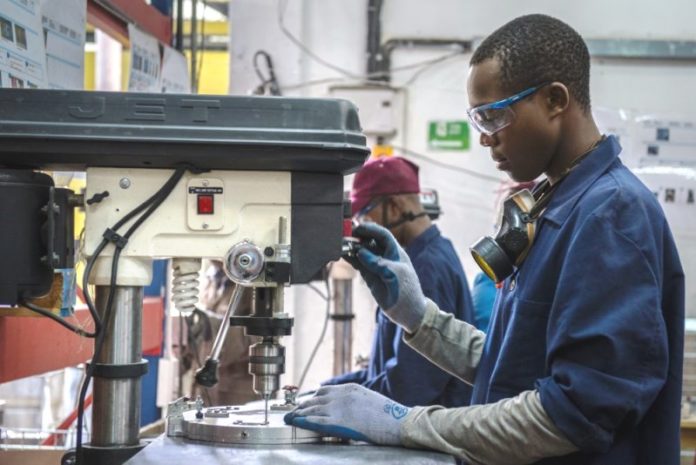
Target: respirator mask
(498,255)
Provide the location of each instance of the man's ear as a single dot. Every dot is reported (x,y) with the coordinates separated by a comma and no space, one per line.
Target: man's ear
(393,205)
(557,98)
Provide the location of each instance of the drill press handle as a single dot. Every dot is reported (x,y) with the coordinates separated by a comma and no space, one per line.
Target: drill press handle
(207,374)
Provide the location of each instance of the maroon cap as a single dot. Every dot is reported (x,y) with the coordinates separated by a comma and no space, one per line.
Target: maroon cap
(383,176)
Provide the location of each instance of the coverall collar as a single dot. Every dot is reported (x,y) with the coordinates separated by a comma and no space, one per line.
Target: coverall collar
(421,242)
(580,179)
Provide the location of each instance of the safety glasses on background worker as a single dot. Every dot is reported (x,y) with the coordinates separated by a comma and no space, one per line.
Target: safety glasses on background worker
(361,215)
(492,117)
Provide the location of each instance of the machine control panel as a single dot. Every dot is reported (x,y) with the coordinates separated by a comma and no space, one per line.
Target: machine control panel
(205,204)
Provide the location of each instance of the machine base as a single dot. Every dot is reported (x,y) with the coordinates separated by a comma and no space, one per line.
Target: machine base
(177,451)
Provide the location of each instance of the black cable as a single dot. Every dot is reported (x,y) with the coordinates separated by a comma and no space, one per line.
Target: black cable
(98,344)
(151,204)
(85,286)
(269,82)
(316,289)
(61,321)
(281,7)
(459,169)
(102,245)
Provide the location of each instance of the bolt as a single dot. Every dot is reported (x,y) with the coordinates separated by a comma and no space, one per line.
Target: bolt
(124,183)
(268,251)
(245,435)
(205,183)
(205,225)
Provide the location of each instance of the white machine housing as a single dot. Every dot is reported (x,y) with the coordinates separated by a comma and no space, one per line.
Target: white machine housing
(247,206)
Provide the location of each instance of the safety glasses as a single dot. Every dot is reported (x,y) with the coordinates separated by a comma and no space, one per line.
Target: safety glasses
(492,117)
(362,213)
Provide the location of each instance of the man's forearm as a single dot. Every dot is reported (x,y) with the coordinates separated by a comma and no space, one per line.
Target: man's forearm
(453,345)
(514,431)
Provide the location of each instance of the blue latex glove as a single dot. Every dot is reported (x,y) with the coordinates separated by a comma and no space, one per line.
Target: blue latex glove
(390,276)
(350,411)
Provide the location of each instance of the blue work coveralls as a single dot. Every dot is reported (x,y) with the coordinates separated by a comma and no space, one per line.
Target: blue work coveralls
(594,319)
(395,369)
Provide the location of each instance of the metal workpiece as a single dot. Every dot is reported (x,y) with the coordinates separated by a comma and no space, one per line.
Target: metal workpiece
(116,407)
(243,425)
(175,415)
(177,451)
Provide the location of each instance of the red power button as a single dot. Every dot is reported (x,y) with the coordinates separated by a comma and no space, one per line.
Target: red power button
(206,205)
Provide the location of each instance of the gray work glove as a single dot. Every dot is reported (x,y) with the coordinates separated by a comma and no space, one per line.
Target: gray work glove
(351,411)
(388,272)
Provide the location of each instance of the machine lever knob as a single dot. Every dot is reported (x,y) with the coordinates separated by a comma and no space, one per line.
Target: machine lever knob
(207,374)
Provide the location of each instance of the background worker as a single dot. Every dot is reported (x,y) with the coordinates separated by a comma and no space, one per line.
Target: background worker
(385,192)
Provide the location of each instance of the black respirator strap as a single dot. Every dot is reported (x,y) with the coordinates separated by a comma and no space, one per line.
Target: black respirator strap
(405,218)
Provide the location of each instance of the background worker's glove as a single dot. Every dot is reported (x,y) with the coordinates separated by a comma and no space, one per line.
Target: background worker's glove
(351,411)
(389,274)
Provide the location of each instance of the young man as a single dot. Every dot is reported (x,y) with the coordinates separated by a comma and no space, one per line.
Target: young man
(583,360)
(385,192)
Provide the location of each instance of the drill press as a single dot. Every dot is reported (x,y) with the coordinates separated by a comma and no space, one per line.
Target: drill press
(254,181)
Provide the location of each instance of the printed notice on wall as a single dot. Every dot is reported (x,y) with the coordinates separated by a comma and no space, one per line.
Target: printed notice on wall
(664,158)
(145,63)
(64,29)
(665,141)
(22,51)
(175,76)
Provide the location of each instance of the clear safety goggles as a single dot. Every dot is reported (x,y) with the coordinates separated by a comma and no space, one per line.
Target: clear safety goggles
(492,117)
(361,215)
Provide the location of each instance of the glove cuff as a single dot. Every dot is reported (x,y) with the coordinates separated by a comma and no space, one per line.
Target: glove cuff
(413,319)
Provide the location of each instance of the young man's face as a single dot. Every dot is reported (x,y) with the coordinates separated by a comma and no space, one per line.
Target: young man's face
(525,147)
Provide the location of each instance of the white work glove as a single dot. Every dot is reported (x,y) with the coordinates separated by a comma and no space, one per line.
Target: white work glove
(389,275)
(351,411)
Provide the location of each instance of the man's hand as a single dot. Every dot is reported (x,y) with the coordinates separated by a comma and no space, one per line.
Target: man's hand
(353,412)
(390,276)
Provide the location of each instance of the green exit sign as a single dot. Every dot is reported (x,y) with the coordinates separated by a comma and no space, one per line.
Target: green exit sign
(448,135)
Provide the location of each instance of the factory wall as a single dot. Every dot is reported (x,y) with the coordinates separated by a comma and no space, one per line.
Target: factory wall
(336,32)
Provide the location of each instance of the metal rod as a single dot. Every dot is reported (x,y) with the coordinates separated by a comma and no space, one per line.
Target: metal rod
(343,325)
(282,230)
(265,406)
(116,407)
(180,25)
(225,325)
(194,47)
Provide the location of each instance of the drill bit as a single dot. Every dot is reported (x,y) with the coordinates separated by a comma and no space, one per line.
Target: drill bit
(265,410)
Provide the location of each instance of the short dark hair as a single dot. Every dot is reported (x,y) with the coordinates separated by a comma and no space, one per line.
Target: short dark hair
(535,49)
